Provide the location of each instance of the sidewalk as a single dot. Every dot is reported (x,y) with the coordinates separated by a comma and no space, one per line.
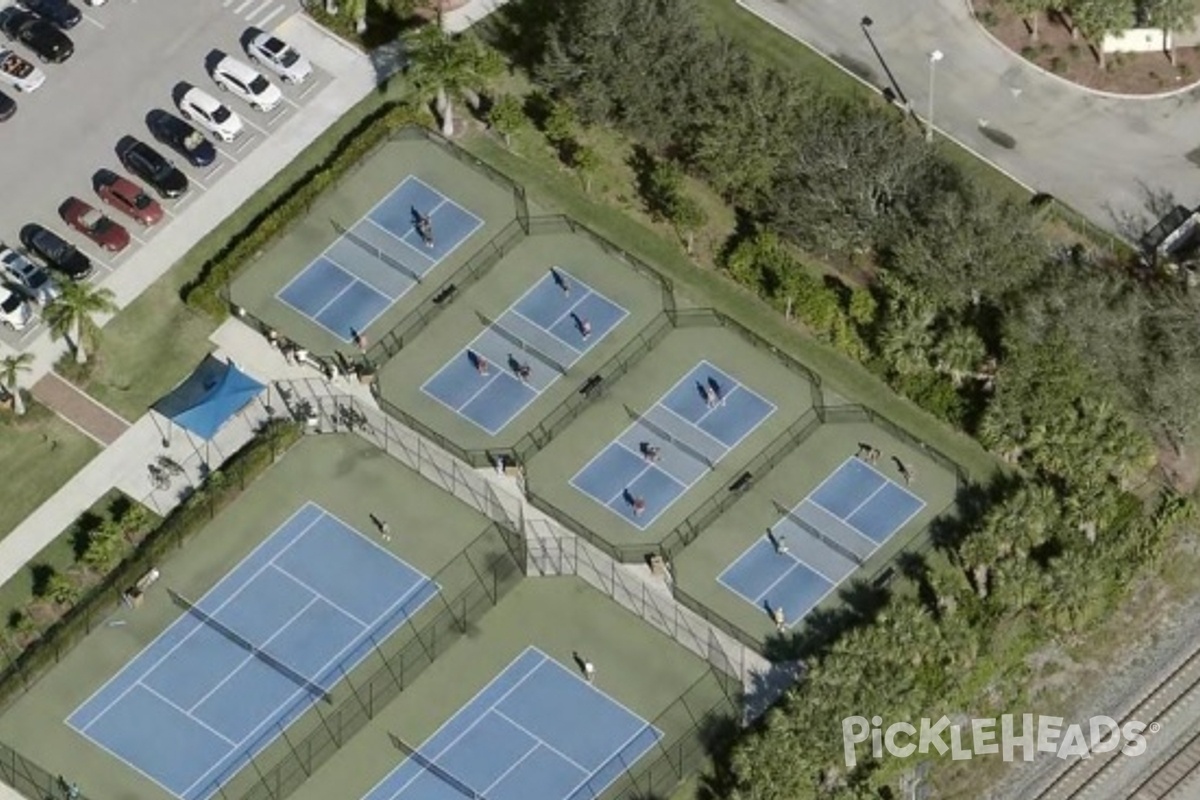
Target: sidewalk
(79,408)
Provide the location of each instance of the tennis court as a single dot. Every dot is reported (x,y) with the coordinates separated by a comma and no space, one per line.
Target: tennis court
(379,259)
(533,343)
(820,542)
(537,730)
(267,642)
(673,445)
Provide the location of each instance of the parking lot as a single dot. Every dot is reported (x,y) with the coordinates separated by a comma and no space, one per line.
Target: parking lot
(130,58)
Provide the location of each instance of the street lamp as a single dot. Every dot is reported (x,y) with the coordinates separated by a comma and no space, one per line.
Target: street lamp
(934,58)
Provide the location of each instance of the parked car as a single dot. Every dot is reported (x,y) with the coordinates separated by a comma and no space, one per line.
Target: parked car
(279,57)
(153,167)
(128,198)
(94,225)
(34,281)
(243,80)
(19,73)
(44,38)
(181,137)
(57,252)
(208,112)
(60,12)
(15,311)
(8,107)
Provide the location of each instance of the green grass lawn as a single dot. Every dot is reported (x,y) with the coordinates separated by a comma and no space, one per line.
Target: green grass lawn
(41,453)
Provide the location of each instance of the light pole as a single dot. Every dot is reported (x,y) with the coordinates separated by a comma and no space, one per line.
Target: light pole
(934,58)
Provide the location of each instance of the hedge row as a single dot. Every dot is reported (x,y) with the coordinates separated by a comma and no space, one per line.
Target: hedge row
(179,526)
(205,292)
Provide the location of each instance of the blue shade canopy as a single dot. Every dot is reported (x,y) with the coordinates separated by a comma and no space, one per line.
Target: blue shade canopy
(209,397)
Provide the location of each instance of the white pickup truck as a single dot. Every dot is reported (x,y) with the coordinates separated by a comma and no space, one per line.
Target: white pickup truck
(18,72)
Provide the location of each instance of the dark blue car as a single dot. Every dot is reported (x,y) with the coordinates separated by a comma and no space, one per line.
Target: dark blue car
(181,137)
(60,12)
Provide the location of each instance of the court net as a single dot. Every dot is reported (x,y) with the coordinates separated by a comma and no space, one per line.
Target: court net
(266,658)
(810,529)
(371,249)
(526,347)
(671,439)
(428,765)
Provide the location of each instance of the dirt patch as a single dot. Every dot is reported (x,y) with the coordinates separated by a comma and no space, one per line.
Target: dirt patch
(1074,59)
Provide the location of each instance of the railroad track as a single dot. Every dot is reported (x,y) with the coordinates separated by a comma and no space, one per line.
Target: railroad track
(1095,778)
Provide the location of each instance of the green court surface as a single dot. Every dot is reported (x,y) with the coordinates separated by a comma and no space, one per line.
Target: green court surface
(402,377)
(699,564)
(341,207)
(549,472)
(343,474)
(635,665)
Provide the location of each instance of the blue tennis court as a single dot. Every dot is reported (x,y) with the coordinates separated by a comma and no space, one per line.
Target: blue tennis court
(521,354)
(667,449)
(817,544)
(192,708)
(379,259)
(537,731)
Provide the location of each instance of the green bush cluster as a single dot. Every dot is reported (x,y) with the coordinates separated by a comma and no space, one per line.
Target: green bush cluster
(185,521)
(205,292)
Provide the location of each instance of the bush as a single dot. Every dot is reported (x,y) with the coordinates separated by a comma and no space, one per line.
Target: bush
(933,392)
(205,292)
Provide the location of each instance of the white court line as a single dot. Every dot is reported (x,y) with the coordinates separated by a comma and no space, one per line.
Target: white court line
(170,627)
(578,353)
(488,789)
(631,451)
(366,282)
(537,738)
(363,636)
(188,714)
(446,197)
(250,656)
(432,261)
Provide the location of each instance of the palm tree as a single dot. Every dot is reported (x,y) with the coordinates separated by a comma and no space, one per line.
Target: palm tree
(959,353)
(442,65)
(11,369)
(71,316)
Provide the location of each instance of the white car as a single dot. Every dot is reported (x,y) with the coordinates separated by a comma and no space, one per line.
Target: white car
(205,110)
(19,73)
(28,276)
(279,57)
(15,311)
(247,83)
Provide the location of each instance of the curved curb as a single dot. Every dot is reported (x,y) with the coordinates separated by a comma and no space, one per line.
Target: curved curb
(1077,86)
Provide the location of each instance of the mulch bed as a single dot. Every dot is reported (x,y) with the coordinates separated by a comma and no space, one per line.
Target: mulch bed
(1076,61)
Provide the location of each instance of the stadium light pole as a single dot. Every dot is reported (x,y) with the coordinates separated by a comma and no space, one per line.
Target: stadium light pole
(934,58)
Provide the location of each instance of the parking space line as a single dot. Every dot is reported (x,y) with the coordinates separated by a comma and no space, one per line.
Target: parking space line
(250,17)
(262,23)
(227,3)
(244,143)
(245,4)
(137,239)
(198,183)
(220,165)
(276,117)
(94,22)
(312,85)
(291,102)
(250,124)
(181,202)
(227,155)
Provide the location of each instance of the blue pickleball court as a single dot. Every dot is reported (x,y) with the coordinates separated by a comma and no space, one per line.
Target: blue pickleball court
(819,543)
(194,706)
(548,330)
(379,259)
(537,730)
(667,449)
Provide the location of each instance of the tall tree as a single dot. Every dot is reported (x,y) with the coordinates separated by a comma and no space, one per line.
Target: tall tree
(1031,11)
(73,315)
(1171,16)
(11,370)
(443,66)
(506,116)
(1096,19)
(586,161)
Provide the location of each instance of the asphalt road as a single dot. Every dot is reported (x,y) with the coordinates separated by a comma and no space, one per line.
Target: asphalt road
(130,57)
(1103,156)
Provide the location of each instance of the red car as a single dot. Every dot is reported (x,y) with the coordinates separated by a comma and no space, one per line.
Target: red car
(127,197)
(94,225)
